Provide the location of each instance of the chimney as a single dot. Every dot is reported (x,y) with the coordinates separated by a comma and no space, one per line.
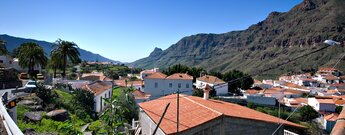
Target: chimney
(207,90)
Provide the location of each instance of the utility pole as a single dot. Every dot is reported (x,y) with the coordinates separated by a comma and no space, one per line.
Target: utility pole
(160,120)
(178,111)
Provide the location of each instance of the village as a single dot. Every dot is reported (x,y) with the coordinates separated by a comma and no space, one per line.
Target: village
(158,97)
(172,68)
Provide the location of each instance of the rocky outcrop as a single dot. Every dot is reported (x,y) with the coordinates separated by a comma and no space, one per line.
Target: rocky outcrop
(288,34)
(58,115)
(32,116)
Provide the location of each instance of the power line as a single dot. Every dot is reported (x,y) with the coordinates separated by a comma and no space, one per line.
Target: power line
(306,97)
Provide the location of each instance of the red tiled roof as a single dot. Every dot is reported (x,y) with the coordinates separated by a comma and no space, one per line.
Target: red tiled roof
(180,76)
(339,101)
(157,75)
(338,128)
(302,100)
(251,91)
(331,77)
(325,101)
(211,79)
(331,117)
(195,111)
(292,85)
(140,95)
(327,69)
(98,87)
(338,84)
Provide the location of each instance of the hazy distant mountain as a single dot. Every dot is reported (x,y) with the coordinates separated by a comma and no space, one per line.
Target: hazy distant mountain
(280,37)
(13,42)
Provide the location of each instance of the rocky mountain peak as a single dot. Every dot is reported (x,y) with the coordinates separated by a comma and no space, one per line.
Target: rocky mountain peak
(307,5)
(156,52)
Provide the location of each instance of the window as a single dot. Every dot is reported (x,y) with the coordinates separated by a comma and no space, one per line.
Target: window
(179,85)
(156,85)
(187,85)
(109,94)
(105,95)
(170,85)
(100,103)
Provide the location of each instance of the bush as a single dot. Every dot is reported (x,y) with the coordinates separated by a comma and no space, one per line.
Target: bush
(47,95)
(338,109)
(308,113)
(83,102)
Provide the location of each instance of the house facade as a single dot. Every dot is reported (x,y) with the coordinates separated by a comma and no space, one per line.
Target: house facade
(101,89)
(217,84)
(8,61)
(159,84)
(205,116)
(326,105)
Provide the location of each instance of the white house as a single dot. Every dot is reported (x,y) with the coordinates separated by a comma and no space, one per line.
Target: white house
(159,84)
(146,73)
(8,61)
(101,89)
(325,105)
(217,84)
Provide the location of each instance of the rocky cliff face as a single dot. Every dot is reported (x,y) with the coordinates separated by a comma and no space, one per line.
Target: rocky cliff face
(281,36)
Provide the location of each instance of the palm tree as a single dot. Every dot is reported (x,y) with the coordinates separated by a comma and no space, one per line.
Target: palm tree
(55,62)
(68,51)
(3,49)
(31,55)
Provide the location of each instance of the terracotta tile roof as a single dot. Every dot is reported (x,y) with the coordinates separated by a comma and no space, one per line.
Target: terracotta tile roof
(325,101)
(338,84)
(339,101)
(252,91)
(157,75)
(302,100)
(195,111)
(98,87)
(94,77)
(327,69)
(180,76)
(138,94)
(122,83)
(211,79)
(331,117)
(292,85)
(331,77)
(290,91)
(338,128)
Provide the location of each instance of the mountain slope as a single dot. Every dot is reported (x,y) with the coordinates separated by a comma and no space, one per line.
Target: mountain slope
(13,42)
(280,37)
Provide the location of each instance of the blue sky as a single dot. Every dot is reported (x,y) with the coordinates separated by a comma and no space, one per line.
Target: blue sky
(128,30)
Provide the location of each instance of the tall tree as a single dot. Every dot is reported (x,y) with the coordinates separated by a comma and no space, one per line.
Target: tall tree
(237,80)
(68,51)
(3,49)
(31,55)
(55,62)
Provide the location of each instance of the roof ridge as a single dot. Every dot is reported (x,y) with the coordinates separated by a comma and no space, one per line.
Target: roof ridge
(203,106)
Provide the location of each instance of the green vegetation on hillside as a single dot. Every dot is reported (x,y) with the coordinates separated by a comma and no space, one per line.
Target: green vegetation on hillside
(270,45)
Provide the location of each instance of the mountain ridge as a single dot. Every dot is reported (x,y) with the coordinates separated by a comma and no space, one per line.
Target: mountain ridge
(13,42)
(281,36)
